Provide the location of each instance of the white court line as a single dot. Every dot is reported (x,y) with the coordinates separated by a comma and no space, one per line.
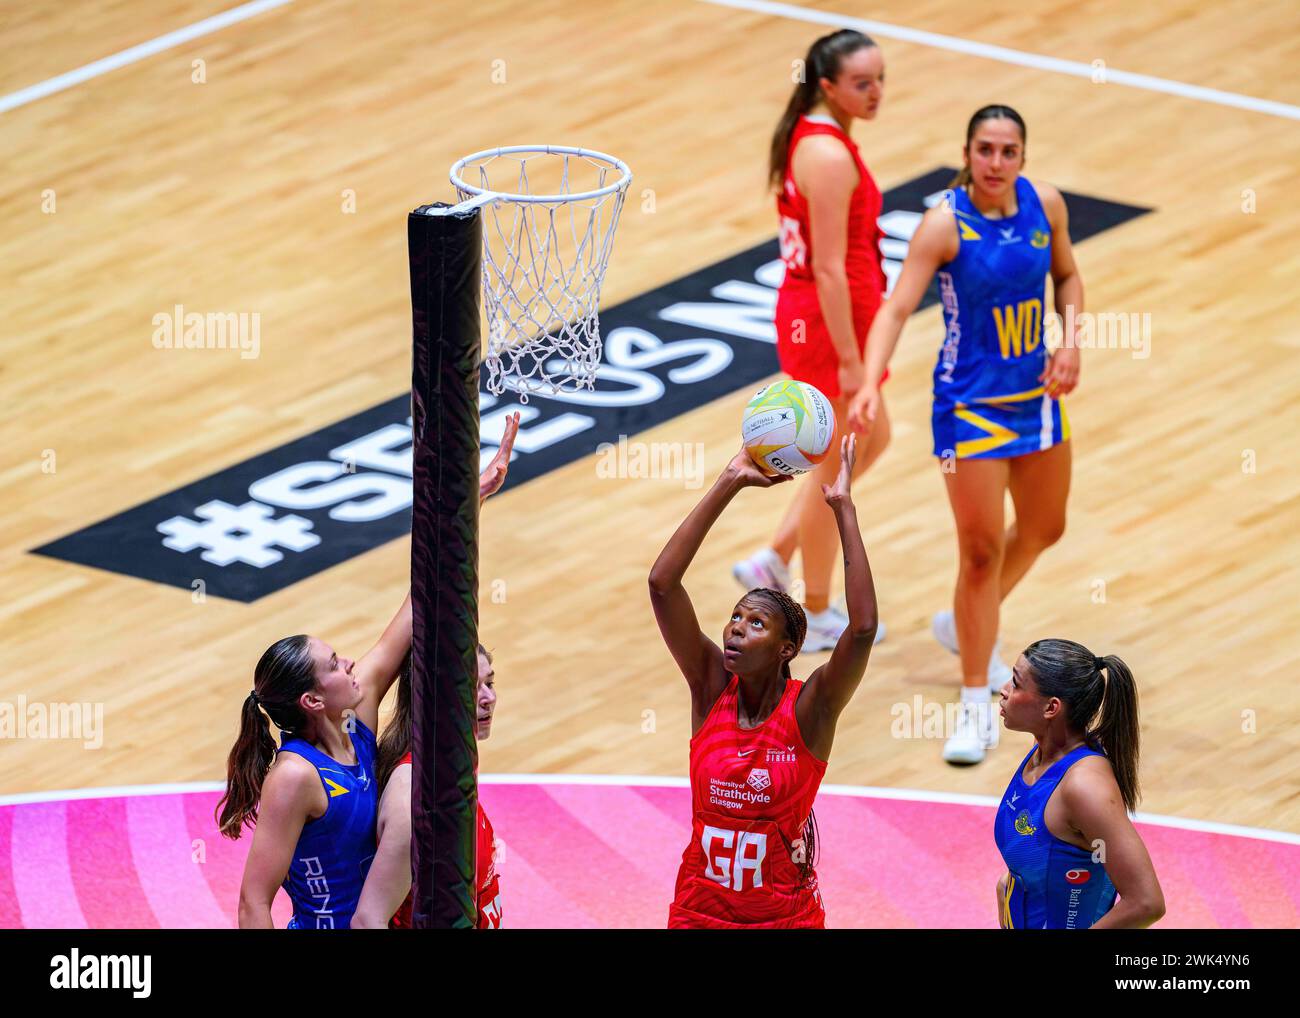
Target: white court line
(1014,56)
(659,781)
(112,792)
(129,56)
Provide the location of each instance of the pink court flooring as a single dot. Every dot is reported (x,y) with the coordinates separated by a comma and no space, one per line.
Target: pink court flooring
(583,851)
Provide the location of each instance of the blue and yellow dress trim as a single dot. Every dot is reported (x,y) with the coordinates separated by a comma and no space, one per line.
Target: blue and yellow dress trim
(989,401)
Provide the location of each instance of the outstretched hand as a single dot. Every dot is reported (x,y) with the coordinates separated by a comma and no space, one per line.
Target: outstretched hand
(748,473)
(863,409)
(490,481)
(840,494)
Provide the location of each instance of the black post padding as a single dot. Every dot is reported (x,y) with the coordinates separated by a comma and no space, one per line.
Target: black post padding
(446,259)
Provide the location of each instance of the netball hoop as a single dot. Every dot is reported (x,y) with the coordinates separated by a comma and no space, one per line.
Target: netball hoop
(549,216)
(532,234)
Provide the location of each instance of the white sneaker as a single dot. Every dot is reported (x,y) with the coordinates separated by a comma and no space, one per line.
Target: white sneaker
(841,607)
(999,674)
(762,569)
(824,630)
(978,730)
(944,627)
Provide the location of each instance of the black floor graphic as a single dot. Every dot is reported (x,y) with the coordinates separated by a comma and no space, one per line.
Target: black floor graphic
(319,500)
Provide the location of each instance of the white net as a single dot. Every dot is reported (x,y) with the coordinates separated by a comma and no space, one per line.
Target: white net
(549,217)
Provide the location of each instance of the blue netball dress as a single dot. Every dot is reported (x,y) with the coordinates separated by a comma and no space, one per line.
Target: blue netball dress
(988,401)
(1051,884)
(335,850)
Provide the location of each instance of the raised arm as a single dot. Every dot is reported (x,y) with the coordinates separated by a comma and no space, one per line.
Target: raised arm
(389,880)
(378,668)
(1094,808)
(696,655)
(935,243)
(494,475)
(829,688)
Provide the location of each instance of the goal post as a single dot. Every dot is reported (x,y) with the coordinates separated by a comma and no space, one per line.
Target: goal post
(531,237)
(445,251)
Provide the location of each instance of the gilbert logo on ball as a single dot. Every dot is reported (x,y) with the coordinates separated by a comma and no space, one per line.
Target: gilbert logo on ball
(788,427)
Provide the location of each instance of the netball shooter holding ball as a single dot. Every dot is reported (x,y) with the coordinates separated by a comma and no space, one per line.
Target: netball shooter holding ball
(760,739)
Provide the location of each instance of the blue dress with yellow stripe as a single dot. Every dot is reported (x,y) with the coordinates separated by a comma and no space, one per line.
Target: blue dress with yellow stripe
(988,400)
(335,850)
(1051,884)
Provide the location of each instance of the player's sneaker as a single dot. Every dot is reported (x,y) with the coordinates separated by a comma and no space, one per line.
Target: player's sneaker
(977,731)
(826,627)
(944,628)
(999,673)
(841,607)
(762,569)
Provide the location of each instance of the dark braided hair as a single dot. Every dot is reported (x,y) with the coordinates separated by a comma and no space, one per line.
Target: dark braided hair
(809,847)
(796,628)
(796,622)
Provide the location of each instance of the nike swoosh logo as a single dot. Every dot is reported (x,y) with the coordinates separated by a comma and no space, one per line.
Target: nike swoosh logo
(744,752)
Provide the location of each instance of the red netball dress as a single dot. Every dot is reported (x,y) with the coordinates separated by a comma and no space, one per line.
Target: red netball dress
(489,888)
(814,359)
(752,791)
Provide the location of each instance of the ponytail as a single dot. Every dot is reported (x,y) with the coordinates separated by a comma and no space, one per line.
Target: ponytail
(284,672)
(823,61)
(994,112)
(1116,730)
(1101,702)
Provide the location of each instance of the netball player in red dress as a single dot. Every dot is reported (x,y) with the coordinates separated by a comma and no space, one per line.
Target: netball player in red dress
(760,739)
(829,205)
(386,895)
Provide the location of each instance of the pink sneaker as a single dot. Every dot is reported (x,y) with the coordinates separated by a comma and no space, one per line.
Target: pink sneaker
(762,569)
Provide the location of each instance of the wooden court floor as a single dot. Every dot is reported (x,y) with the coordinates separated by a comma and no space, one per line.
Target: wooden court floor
(231,193)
